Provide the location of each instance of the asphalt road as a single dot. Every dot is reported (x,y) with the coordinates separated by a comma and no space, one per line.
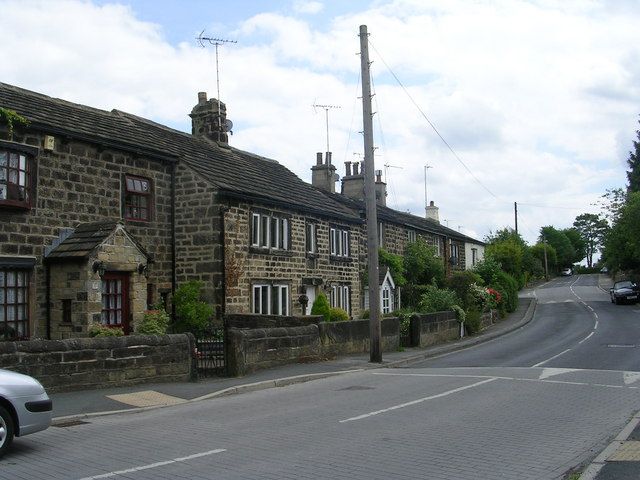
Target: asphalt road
(530,405)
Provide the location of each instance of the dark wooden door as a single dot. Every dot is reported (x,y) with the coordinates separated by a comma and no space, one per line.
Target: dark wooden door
(115,300)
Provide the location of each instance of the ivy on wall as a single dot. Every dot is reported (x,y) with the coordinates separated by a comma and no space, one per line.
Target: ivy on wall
(11,118)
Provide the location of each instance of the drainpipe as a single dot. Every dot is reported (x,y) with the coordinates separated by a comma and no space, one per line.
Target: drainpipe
(223,301)
(47,273)
(173,241)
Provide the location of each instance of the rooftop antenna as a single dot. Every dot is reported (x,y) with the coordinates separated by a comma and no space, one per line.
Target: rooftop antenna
(215,42)
(326,112)
(386,169)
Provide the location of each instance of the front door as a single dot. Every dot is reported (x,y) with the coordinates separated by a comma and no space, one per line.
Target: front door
(115,300)
(310,292)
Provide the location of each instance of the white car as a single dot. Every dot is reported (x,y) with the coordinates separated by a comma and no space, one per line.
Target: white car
(566,272)
(25,407)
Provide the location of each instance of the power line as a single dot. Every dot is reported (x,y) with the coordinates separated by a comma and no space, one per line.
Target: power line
(431,123)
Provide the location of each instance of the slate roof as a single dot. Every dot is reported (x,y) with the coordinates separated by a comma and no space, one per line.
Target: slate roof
(386,214)
(84,240)
(234,172)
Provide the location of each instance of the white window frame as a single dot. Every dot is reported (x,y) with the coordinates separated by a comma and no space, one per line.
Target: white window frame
(339,242)
(311,245)
(340,297)
(269,231)
(380,234)
(270,289)
(411,236)
(387,302)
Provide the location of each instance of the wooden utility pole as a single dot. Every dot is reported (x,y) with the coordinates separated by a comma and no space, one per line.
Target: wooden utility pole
(375,349)
(515,208)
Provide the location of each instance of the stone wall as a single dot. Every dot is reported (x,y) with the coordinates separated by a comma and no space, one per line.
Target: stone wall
(433,328)
(79,182)
(84,363)
(254,349)
(269,321)
(246,266)
(343,338)
(199,252)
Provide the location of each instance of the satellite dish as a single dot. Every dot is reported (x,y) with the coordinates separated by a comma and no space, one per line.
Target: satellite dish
(228,126)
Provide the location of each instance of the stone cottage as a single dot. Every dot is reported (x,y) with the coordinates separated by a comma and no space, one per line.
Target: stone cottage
(103,213)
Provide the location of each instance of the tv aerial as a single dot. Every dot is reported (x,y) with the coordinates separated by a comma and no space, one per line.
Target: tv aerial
(326,112)
(216,42)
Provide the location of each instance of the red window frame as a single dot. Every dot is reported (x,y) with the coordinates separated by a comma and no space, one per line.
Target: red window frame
(14,303)
(137,198)
(15,178)
(115,301)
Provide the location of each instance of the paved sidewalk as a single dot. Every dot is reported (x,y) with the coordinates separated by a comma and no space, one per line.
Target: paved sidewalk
(71,406)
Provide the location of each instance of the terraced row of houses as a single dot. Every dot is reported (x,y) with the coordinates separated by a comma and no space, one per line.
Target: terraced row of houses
(103,213)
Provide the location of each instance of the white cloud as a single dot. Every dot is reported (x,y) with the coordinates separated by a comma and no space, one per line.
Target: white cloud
(307,7)
(539,99)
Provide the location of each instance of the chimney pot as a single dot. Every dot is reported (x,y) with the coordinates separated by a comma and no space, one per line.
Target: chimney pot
(319,158)
(431,204)
(347,169)
(202,97)
(328,158)
(355,168)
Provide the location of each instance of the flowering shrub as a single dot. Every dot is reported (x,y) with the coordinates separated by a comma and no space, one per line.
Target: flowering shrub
(495,298)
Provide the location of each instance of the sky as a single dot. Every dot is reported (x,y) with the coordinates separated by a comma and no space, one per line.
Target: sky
(528,101)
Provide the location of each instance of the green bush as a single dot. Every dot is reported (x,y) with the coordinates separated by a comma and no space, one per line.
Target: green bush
(192,314)
(465,285)
(364,315)
(321,307)
(153,322)
(508,288)
(461,315)
(412,294)
(473,323)
(437,300)
(338,315)
(100,330)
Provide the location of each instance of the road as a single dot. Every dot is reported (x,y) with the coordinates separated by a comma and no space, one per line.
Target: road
(529,405)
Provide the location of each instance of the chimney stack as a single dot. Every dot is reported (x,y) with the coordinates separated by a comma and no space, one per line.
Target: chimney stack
(381,189)
(323,174)
(209,119)
(432,212)
(353,181)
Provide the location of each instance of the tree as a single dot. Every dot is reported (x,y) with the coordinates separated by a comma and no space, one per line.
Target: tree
(622,248)
(538,252)
(633,175)
(592,229)
(562,245)
(577,242)
(421,264)
(395,264)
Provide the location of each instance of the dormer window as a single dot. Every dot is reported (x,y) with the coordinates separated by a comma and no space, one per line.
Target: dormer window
(16,180)
(137,199)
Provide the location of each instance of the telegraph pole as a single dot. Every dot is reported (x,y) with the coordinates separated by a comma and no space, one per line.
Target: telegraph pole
(515,211)
(375,349)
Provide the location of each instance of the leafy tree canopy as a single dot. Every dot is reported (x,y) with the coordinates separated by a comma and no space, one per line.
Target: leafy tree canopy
(633,174)
(421,264)
(561,243)
(592,229)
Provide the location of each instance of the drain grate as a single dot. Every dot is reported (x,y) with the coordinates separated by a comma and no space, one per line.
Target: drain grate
(68,423)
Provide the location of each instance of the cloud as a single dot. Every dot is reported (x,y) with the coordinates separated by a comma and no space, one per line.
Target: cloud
(307,7)
(539,99)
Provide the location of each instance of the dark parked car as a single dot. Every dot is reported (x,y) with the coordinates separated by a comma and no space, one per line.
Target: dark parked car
(624,291)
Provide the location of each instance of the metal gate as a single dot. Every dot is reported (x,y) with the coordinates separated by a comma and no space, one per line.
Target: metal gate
(210,353)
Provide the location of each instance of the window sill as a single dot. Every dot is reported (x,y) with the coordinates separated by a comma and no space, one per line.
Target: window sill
(334,259)
(271,252)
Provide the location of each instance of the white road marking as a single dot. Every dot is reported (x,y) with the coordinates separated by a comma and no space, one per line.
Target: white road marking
(549,359)
(521,379)
(154,465)
(552,372)
(586,338)
(631,377)
(419,400)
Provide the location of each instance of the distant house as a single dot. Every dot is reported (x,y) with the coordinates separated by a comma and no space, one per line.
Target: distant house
(396,229)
